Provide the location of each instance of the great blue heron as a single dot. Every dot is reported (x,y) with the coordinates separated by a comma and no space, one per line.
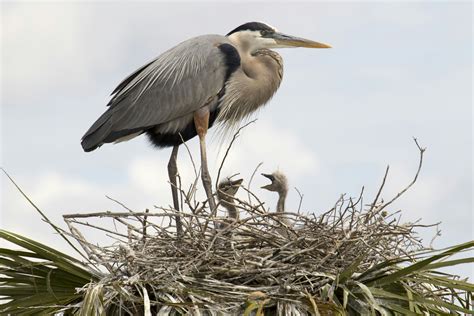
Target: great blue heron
(226,191)
(205,80)
(280,185)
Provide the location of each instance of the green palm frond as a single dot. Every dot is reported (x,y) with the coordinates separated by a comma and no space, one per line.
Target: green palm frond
(39,279)
(404,287)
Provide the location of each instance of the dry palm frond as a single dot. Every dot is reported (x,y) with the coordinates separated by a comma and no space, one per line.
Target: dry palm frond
(40,279)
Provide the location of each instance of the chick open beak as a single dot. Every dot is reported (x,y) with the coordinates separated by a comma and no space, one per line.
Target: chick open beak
(237,182)
(271,178)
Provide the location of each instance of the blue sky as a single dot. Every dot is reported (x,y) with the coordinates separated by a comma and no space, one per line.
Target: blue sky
(397,70)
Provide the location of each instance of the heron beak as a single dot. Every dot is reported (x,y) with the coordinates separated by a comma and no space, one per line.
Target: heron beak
(269,177)
(237,182)
(293,41)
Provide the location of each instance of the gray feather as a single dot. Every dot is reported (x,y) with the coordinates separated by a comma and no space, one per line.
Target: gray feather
(171,87)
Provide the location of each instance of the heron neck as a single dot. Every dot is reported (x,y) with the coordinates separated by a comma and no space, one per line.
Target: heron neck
(250,87)
(263,65)
(231,209)
(281,201)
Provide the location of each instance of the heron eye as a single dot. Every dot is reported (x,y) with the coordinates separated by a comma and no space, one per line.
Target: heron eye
(264,33)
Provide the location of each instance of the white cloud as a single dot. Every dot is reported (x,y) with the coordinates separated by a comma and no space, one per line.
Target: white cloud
(53,48)
(28,29)
(52,186)
(274,146)
(421,199)
(148,174)
(54,194)
(390,12)
(148,177)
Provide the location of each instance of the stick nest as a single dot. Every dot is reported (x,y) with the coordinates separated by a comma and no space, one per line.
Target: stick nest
(222,264)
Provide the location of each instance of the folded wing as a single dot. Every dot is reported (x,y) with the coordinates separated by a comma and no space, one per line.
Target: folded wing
(175,84)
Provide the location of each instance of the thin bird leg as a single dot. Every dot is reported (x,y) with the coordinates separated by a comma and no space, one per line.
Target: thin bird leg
(201,122)
(173,174)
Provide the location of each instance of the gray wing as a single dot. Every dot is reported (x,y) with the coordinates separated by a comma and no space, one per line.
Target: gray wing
(175,84)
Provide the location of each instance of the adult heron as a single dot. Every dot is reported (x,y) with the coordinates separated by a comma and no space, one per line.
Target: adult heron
(202,81)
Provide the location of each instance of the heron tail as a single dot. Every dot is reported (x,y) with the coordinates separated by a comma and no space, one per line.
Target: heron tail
(107,129)
(95,136)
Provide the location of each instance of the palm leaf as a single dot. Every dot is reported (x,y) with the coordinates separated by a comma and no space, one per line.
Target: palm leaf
(420,265)
(414,289)
(39,279)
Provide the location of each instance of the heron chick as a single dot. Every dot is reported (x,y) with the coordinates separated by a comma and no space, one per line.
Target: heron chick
(280,185)
(202,81)
(226,191)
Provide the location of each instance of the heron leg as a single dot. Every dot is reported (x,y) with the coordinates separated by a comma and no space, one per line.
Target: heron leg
(173,174)
(201,122)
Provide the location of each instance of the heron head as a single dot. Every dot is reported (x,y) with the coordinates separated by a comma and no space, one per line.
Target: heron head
(228,187)
(279,182)
(253,36)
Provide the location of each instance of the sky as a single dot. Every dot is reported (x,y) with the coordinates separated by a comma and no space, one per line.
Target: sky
(397,70)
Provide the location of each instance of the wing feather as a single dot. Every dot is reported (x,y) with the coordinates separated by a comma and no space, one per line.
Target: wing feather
(175,84)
